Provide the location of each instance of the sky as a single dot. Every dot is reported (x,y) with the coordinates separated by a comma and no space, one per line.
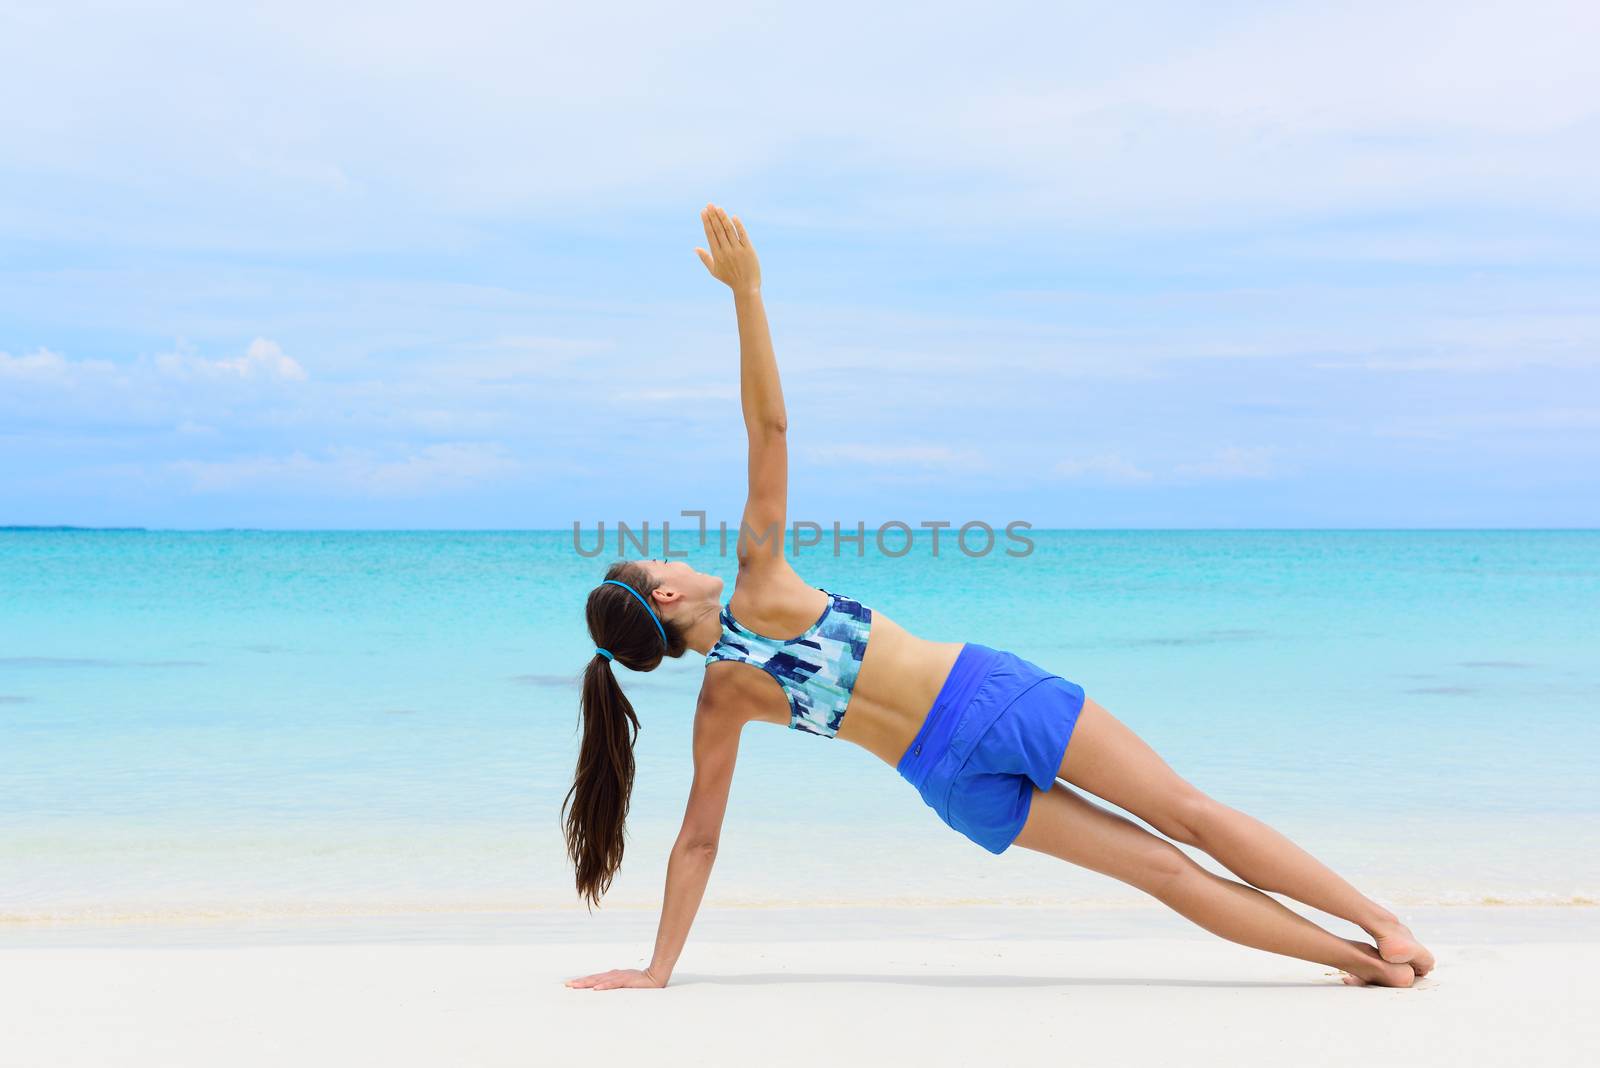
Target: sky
(393,265)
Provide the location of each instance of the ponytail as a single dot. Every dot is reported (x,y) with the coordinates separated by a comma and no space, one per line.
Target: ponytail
(626,631)
(597,805)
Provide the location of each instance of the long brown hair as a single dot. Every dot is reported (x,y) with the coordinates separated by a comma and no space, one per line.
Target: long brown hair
(597,805)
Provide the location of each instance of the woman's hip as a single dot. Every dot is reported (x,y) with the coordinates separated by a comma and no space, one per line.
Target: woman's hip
(1000,726)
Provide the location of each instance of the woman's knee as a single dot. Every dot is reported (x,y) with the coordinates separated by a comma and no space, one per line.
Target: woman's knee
(1190,816)
(1161,867)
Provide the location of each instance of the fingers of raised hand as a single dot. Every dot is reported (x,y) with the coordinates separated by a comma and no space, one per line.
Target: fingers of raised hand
(729,231)
(712,235)
(724,229)
(714,232)
(744,238)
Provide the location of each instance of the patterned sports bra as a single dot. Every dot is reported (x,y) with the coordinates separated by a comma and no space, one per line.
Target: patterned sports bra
(816,669)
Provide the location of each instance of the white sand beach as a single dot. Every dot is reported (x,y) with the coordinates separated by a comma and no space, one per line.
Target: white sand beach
(1508,989)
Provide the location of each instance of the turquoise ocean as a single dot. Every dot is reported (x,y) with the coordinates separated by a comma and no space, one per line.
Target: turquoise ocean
(269,724)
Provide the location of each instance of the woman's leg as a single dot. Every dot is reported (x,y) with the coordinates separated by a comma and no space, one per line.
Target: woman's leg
(1107,759)
(1064,824)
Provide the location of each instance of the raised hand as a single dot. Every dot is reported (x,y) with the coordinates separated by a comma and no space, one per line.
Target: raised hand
(732,259)
(616,979)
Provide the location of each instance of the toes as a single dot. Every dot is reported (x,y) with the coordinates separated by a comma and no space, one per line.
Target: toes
(1400,980)
(1388,973)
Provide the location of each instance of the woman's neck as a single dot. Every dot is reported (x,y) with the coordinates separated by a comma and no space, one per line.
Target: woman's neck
(702,626)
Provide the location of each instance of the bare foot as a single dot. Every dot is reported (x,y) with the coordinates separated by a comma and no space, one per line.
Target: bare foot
(1397,945)
(1371,969)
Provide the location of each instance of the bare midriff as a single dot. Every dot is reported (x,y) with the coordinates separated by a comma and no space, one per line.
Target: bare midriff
(900,676)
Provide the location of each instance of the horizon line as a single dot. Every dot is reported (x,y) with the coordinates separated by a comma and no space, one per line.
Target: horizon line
(69,528)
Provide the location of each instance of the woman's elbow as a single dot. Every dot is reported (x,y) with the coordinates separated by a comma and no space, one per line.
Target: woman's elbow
(699,845)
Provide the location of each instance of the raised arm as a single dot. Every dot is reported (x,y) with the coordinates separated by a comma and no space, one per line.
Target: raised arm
(717,727)
(732,261)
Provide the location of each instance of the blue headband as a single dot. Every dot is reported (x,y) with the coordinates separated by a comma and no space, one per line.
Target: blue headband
(647,608)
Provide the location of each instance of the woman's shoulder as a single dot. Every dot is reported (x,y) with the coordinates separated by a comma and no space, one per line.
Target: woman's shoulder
(775,602)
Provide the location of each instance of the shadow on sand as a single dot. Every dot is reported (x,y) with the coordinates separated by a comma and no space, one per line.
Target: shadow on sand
(786,978)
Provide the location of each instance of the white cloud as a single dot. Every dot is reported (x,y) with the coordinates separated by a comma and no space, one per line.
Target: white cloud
(715,391)
(1104,467)
(515,357)
(1414,243)
(1162,112)
(262,360)
(961,184)
(432,468)
(1305,108)
(918,456)
(1445,426)
(1230,463)
(44,366)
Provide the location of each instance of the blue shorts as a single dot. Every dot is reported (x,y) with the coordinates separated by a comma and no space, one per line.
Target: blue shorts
(999,727)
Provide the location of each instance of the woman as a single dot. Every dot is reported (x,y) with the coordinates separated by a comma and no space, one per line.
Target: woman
(982,734)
